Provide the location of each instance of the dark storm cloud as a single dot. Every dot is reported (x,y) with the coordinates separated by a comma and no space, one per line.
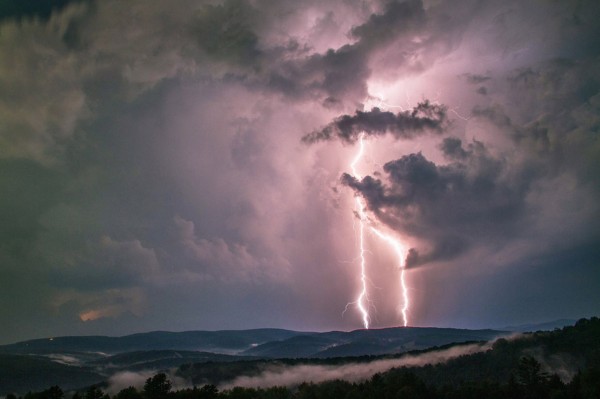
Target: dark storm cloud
(473,200)
(108,264)
(452,148)
(346,69)
(29,190)
(397,18)
(152,178)
(550,111)
(29,9)
(495,114)
(338,74)
(405,124)
(224,33)
(475,78)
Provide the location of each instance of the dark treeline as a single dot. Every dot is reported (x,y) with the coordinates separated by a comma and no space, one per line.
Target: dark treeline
(467,377)
(528,383)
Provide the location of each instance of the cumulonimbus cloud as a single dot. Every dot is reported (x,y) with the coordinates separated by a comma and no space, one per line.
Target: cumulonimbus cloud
(475,197)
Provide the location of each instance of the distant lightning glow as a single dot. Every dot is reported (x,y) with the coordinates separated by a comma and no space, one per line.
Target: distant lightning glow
(398,248)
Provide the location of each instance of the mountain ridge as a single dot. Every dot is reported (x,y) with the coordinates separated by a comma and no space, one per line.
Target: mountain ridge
(223,341)
(78,361)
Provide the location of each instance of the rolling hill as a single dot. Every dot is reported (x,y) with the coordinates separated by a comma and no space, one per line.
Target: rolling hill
(84,360)
(226,341)
(367,342)
(445,366)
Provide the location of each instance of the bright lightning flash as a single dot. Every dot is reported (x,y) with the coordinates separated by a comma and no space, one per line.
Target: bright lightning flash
(398,248)
(360,210)
(401,253)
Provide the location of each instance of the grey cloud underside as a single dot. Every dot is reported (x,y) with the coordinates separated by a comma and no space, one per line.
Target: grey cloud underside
(480,198)
(549,110)
(552,112)
(473,199)
(226,32)
(425,117)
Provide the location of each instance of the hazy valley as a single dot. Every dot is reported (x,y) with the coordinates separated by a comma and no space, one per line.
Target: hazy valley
(224,357)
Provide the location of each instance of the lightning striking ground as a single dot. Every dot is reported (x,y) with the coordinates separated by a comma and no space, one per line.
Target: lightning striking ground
(362,299)
(360,211)
(401,253)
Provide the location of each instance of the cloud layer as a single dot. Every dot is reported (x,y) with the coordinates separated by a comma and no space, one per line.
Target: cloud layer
(403,125)
(156,174)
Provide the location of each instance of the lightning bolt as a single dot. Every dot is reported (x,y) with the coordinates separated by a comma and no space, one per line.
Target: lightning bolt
(400,249)
(360,211)
(401,254)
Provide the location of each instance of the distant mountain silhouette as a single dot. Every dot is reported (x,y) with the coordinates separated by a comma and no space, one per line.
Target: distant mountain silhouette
(563,363)
(546,326)
(74,362)
(157,360)
(368,342)
(78,362)
(22,373)
(226,341)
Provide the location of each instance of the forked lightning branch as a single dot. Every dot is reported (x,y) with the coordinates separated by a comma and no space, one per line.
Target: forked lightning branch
(362,301)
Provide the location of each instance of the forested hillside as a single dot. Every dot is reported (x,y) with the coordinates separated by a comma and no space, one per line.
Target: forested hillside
(559,364)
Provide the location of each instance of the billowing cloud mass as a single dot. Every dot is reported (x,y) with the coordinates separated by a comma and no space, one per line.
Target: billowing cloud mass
(405,124)
(473,198)
(186,165)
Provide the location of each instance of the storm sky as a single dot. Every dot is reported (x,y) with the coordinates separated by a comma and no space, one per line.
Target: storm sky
(185,164)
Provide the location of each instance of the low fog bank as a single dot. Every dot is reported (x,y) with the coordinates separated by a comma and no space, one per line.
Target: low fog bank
(126,379)
(277,374)
(294,375)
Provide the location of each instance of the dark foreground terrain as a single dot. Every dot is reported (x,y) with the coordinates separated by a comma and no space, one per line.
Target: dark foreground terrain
(558,364)
(525,367)
(75,362)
